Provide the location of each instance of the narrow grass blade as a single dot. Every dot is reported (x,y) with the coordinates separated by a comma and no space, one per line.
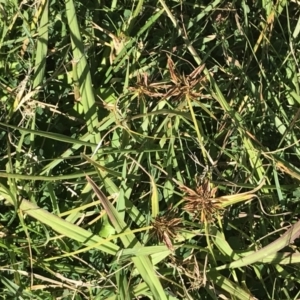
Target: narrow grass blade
(51,135)
(258,256)
(61,226)
(42,47)
(83,72)
(143,263)
(47,178)
(233,289)
(154,195)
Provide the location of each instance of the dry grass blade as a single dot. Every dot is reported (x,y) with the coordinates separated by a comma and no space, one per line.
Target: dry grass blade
(192,271)
(103,201)
(171,67)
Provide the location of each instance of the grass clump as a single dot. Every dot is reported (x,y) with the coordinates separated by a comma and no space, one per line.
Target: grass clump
(149,150)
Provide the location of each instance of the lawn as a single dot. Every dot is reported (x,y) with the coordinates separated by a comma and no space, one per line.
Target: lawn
(149,149)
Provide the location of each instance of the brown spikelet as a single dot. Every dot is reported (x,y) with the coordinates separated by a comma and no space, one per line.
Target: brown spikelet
(178,86)
(200,202)
(165,228)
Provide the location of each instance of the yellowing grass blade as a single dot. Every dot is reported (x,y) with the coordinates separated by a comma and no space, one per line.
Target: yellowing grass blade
(232,199)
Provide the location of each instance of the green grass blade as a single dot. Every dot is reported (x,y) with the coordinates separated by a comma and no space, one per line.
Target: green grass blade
(143,264)
(83,72)
(287,238)
(42,47)
(61,226)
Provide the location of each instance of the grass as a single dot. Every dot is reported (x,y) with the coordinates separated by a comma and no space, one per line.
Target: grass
(149,150)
